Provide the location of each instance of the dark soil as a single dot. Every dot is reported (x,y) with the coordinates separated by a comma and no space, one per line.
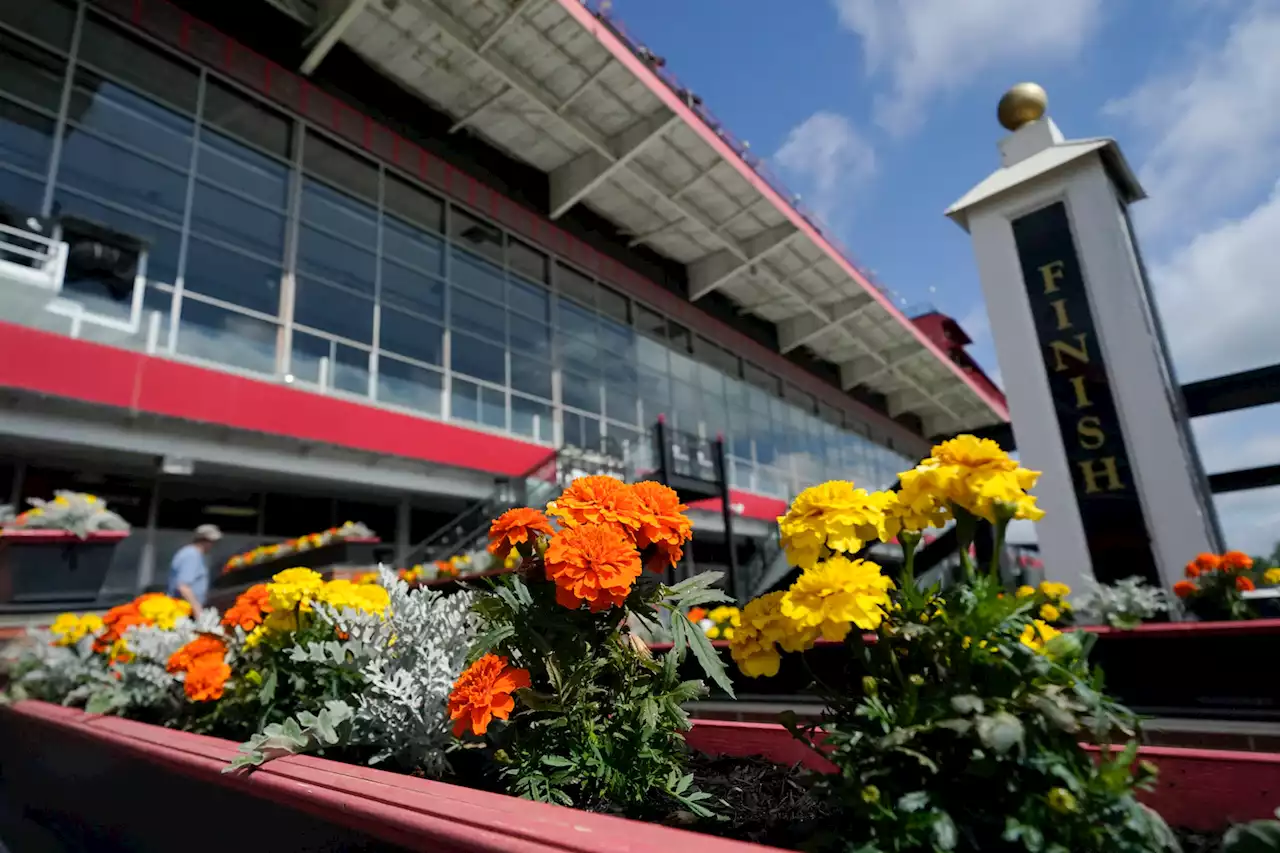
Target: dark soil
(763,802)
(1195,842)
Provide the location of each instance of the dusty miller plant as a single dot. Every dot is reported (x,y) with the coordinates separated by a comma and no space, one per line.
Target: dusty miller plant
(408,663)
(1126,603)
(74,512)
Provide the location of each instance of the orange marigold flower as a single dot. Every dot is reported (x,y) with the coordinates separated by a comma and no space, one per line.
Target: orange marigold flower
(1182,589)
(1236,561)
(250,608)
(516,527)
(1208,562)
(117,620)
(697,614)
(595,564)
(483,692)
(598,500)
(445,569)
(663,524)
(1244,584)
(204,645)
(1193,571)
(206,679)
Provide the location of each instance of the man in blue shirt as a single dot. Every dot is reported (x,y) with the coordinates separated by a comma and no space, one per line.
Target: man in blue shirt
(188,573)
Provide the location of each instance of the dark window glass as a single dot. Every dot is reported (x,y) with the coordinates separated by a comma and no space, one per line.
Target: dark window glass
(25,139)
(23,194)
(410,336)
(411,290)
(111,172)
(718,357)
(493,407)
(476,315)
(412,247)
(620,402)
(404,384)
(333,310)
(527,261)
(678,336)
(476,235)
(229,164)
(617,340)
(108,49)
(308,350)
(232,277)
(137,122)
(578,323)
(528,302)
(651,322)
(335,260)
(575,285)
(184,505)
(297,515)
(613,305)
(226,337)
(478,404)
(531,418)
(478,358)
(228,110)
(581,431)
(230,218)
(378,517)
(469,273)
(527,338)
(760,378)
(579,355)
(351,369)
(339,213)
(405,200)
(531,376)
(340,167)
(162,243)
(31,74)
(51,21)
(581,392)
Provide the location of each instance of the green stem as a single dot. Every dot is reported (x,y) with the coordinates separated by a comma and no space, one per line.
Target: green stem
(966,526)
(1000,528)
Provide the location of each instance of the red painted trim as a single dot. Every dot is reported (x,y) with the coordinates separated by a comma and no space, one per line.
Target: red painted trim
(51,537)
(1190,629)
(767,740)
(415,813)
(642,72)
(47,363)
(758,507)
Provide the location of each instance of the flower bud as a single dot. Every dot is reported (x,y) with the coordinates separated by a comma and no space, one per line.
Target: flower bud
(869,686)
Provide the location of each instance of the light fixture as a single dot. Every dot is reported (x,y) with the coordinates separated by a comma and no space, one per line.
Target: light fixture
(231,511)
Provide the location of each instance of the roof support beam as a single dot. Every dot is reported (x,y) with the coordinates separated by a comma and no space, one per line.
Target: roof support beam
(574,180)
(897,403)
(708,273)
(798,331)
(863,370)
(479,109)
(494,34)
(326,34)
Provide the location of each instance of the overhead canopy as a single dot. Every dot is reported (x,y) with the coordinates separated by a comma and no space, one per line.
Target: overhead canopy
(557,87)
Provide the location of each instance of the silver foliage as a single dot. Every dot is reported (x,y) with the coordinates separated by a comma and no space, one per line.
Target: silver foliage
(1126,603)
(75,512)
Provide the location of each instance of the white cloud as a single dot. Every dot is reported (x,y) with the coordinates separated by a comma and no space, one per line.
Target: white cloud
(827,159)
(1212,125)
(928,47)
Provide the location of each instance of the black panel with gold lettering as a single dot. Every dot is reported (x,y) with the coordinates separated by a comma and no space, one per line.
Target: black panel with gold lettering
(1114,524)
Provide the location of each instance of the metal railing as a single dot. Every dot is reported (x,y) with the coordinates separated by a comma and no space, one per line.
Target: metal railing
(33,258)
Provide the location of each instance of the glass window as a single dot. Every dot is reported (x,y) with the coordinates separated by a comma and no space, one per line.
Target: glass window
(350,369)
(617,340)
(339,166)
(230,218)
(50,21)
(404,384)
(227,337)
(531,418)
(476,315)
(469,273)
(232,277)
(531,376)
(411,290)
(475,235)
(141,124)
(108,49)
(527,338)
(575,285)
(336,260)
(612,304)
(162,242)
(338,213)
(581,431)
(760,378)
(412,247)
(650,322)
(652,355)
(110,172)
(478,404)
(31,74)
(296,515)
(411,336)
(528,302)
(308,352)
(233,166)
(580,356)
(406,200)
(23,194)
(333,310)
(240,116)
(678,337)
(620,402)
(527,261)
(478,358)
(683,367)
(581,392)
(26,138)
(578,323)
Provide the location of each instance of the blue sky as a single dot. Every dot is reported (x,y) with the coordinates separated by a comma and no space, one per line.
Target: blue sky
(880,113)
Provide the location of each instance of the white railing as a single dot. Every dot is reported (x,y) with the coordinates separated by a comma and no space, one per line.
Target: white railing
(33,260)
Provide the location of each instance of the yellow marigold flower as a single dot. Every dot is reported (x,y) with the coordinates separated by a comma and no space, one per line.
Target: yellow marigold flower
(977,475)
(293,587)
(1055,590)
(910,510)
(1025,591)
(836,594)
(1062,801)
(755,642)
(1049,613)
(833,515)
(352,596)
(255,636)
(69,629)
(163,611)
(1037,635)
(1271,576)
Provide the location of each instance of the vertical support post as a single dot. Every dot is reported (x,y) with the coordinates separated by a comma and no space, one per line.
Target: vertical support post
(737,585)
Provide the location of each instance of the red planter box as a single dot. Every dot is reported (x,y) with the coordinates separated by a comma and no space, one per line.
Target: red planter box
(42,570)
(70,780)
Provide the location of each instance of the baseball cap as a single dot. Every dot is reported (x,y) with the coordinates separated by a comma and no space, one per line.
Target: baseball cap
(208,532)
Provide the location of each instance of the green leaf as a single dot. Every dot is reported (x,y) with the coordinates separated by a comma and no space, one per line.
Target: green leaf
(268,690)
(1001,731)
(944,832)
(556,761)
(696,591)
(913,802)
(967,703)
(1259,836)
(707,658)
(102,702)
(490,639)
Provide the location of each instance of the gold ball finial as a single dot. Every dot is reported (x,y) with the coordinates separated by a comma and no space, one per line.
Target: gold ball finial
(1022,104)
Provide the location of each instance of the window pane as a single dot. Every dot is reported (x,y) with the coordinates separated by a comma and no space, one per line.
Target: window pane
(231,165)
(528,338)
(620,402)
(334,310)
(579,356)
(110,172)
(403,199)
(531,418)
(411,290)
(48,20)
(477,358)
(26,139)
(493,407)
(575,285)
(340,166)
(335,260)
(678,336)
(23,194)
(340,214)
(581,431)
(308,352)
(652,355)
(473,275)
(612,304)
(531,376)
(216,334)
(141,124)
(411,336)
(351,369)
(239,115)
(230,218)
(232,277)
(650,322)
(529,301)
(527,261)
(475,235)
(32,74)
(404,384)
(162,243)
(412,247)
(108,49)
(581,392)
(476,315)
(464,401)
(579,323)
